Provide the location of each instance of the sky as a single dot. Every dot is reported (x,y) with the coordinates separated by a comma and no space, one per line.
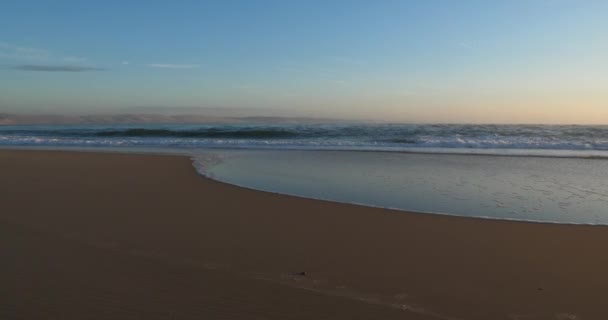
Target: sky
(529,61)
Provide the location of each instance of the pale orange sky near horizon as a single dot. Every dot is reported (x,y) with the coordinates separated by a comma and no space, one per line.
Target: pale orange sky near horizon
(516,61)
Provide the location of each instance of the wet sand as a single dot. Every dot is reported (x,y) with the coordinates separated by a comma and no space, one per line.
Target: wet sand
(111,236)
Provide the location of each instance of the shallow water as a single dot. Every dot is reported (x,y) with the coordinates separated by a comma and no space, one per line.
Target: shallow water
(563,190)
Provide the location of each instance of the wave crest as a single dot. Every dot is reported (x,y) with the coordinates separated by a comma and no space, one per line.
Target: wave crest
(246,133)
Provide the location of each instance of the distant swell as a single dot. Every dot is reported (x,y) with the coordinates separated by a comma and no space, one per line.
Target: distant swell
(201,133)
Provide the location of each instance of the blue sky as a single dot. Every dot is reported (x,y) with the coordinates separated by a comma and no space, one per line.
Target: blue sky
(418,61)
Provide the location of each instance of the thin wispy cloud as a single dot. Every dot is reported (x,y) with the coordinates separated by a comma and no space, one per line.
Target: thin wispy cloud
(37,59)
(465,45)
(173,66)
(15,52)
(291,69)
(75,59)
(343,60)
(54,68)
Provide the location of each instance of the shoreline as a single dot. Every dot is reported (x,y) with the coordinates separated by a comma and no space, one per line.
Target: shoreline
(434,266)
(394,209)
(192,156)
(158,151)
(200,172)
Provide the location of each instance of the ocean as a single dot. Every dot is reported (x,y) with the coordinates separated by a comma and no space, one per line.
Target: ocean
(544,173)
(548,140)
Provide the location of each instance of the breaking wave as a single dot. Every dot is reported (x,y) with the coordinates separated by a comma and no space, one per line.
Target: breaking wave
(364,137)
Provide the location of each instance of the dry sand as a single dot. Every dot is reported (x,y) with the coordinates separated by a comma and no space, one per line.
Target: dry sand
(111,236)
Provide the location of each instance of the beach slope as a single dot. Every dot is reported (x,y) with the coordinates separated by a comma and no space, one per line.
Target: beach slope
(113,236)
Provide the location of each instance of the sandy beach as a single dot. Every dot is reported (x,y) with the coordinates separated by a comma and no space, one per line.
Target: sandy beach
(116,236)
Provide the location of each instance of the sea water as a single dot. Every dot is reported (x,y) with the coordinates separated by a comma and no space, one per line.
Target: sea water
(563,190)
(521,172)
(548,140)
